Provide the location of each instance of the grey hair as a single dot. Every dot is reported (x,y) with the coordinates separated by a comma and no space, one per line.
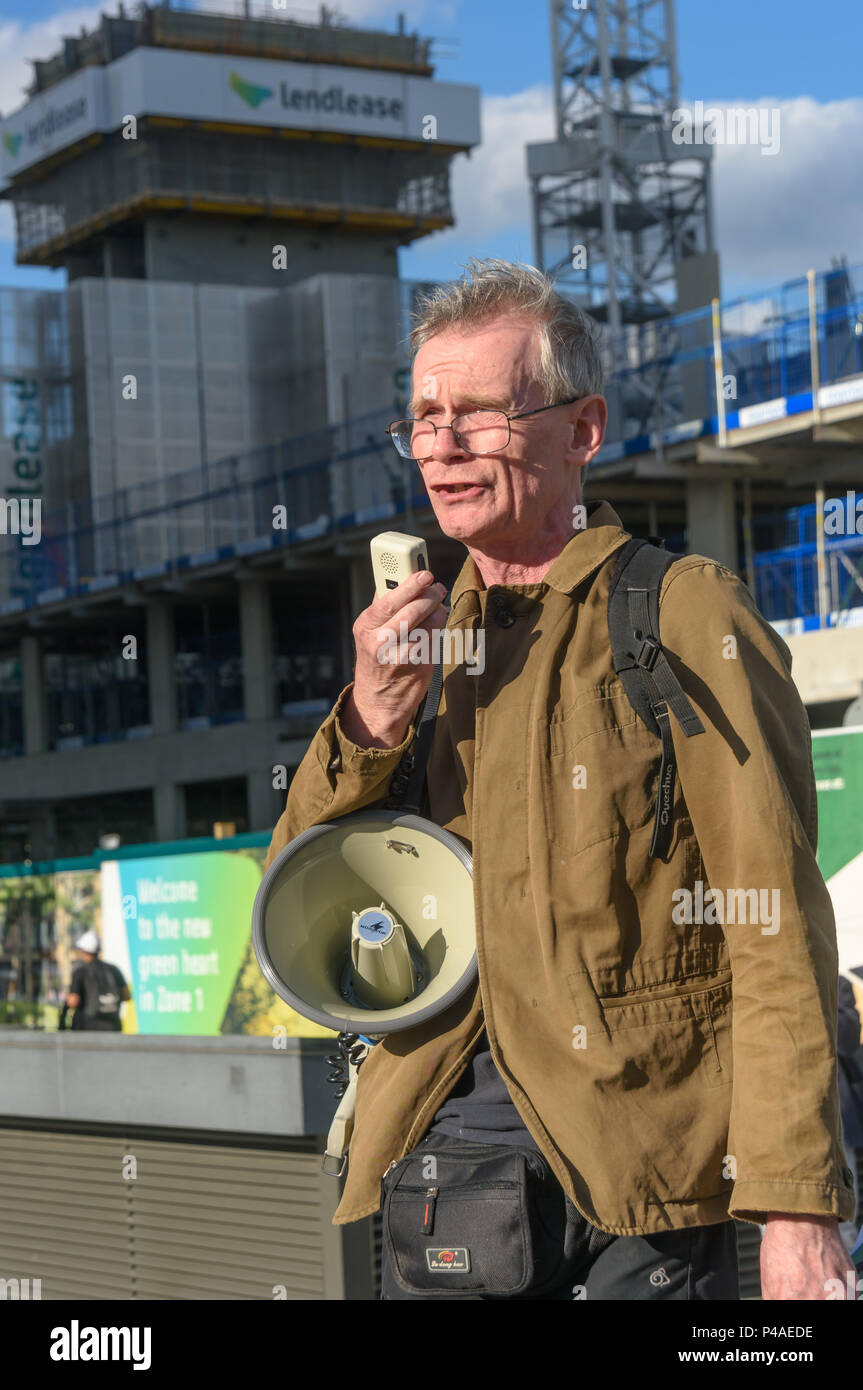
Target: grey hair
(569,361)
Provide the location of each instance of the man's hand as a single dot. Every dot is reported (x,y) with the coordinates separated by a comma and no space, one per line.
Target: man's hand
(379,709)
(800,1254)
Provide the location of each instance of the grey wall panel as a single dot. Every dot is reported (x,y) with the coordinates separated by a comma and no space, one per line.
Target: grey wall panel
(238,1085)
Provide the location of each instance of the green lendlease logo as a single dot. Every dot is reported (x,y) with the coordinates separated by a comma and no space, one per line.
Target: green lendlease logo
(248,92)
(12,143)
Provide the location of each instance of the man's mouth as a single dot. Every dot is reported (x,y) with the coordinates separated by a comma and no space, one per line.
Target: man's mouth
(451,489)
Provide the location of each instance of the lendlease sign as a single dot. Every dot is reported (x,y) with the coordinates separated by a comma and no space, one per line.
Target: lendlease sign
(51,121)
(254,91)
(337,99)
(307,98)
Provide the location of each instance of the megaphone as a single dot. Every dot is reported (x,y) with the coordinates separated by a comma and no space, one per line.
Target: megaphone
(365,925)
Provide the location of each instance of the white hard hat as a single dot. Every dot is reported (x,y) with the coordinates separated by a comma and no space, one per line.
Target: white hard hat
(88,942)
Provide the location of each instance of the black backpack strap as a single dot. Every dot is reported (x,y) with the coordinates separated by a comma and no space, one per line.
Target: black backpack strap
(92,981)
(650,684)
(407,790)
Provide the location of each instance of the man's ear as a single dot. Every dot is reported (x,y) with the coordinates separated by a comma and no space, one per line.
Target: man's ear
(589,424)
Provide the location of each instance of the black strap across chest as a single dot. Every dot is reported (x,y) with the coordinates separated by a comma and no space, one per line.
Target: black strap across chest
(651,686)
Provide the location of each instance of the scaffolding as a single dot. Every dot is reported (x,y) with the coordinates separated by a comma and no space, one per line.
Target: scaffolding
(101,190)
(279,36)
(613,182)
(168,170)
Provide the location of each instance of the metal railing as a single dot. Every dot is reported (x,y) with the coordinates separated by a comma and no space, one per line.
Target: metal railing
(787,578)
(270,175)
(270,496)
(714,362)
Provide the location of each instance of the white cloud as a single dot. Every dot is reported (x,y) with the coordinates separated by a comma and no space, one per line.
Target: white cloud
(778,215)
(21,42)
(490,188)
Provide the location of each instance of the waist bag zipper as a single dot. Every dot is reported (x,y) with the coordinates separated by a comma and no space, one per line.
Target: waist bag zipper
(504,1184)
(428,1215)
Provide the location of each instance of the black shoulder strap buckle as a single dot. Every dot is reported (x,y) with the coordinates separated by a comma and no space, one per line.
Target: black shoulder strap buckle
(647,654)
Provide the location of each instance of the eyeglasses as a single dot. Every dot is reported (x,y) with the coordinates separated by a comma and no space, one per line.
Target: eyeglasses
(477,432)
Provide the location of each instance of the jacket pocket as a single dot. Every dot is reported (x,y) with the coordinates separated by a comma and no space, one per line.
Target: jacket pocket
(661,1035)
(599,769)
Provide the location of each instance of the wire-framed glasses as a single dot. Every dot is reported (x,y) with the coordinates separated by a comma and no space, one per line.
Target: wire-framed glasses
(476,432)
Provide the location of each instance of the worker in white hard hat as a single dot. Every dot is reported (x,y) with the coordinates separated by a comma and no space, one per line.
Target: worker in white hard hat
(97,990)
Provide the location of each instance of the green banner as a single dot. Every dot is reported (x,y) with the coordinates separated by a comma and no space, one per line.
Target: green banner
(837,755)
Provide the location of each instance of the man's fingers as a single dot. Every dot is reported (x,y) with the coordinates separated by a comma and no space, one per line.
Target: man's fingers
(413,615)
(385,606)
(394,643)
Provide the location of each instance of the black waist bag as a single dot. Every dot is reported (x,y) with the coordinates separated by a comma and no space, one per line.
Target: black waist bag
(491,1221)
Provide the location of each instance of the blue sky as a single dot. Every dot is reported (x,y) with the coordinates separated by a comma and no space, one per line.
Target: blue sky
(775,217)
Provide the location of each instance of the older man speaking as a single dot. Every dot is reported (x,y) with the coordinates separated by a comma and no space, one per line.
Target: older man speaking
(626,1076)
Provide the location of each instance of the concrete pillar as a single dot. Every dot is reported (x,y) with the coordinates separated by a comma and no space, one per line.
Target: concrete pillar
(169,811)
(256,635)
(161,677)
(35,707)
(711,519)
(265,804)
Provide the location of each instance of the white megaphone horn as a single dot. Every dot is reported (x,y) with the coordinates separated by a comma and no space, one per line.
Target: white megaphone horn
(365,925)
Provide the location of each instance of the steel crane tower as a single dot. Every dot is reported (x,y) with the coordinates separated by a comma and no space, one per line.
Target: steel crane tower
(622,210)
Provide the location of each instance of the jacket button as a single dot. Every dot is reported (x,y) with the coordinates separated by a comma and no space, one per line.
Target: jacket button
(504,617)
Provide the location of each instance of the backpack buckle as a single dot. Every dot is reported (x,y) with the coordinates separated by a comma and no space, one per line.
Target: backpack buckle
(648,653)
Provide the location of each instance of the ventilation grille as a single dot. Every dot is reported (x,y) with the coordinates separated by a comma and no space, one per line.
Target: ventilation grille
(197,1221)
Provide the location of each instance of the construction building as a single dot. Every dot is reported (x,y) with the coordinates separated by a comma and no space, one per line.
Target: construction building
(228,196)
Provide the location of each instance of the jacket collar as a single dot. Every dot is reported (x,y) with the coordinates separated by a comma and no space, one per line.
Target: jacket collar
(582,555)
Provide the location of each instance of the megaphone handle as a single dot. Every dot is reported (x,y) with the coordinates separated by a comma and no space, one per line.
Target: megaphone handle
(342,1127)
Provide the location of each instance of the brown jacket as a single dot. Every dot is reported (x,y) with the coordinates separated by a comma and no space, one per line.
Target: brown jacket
(606,991)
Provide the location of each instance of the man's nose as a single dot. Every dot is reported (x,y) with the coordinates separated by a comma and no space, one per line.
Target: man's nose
(445,443)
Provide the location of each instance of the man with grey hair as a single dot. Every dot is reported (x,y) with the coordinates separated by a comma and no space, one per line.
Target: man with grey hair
(592,1115)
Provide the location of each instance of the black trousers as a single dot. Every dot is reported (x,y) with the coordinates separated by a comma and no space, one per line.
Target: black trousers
(696,1264)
